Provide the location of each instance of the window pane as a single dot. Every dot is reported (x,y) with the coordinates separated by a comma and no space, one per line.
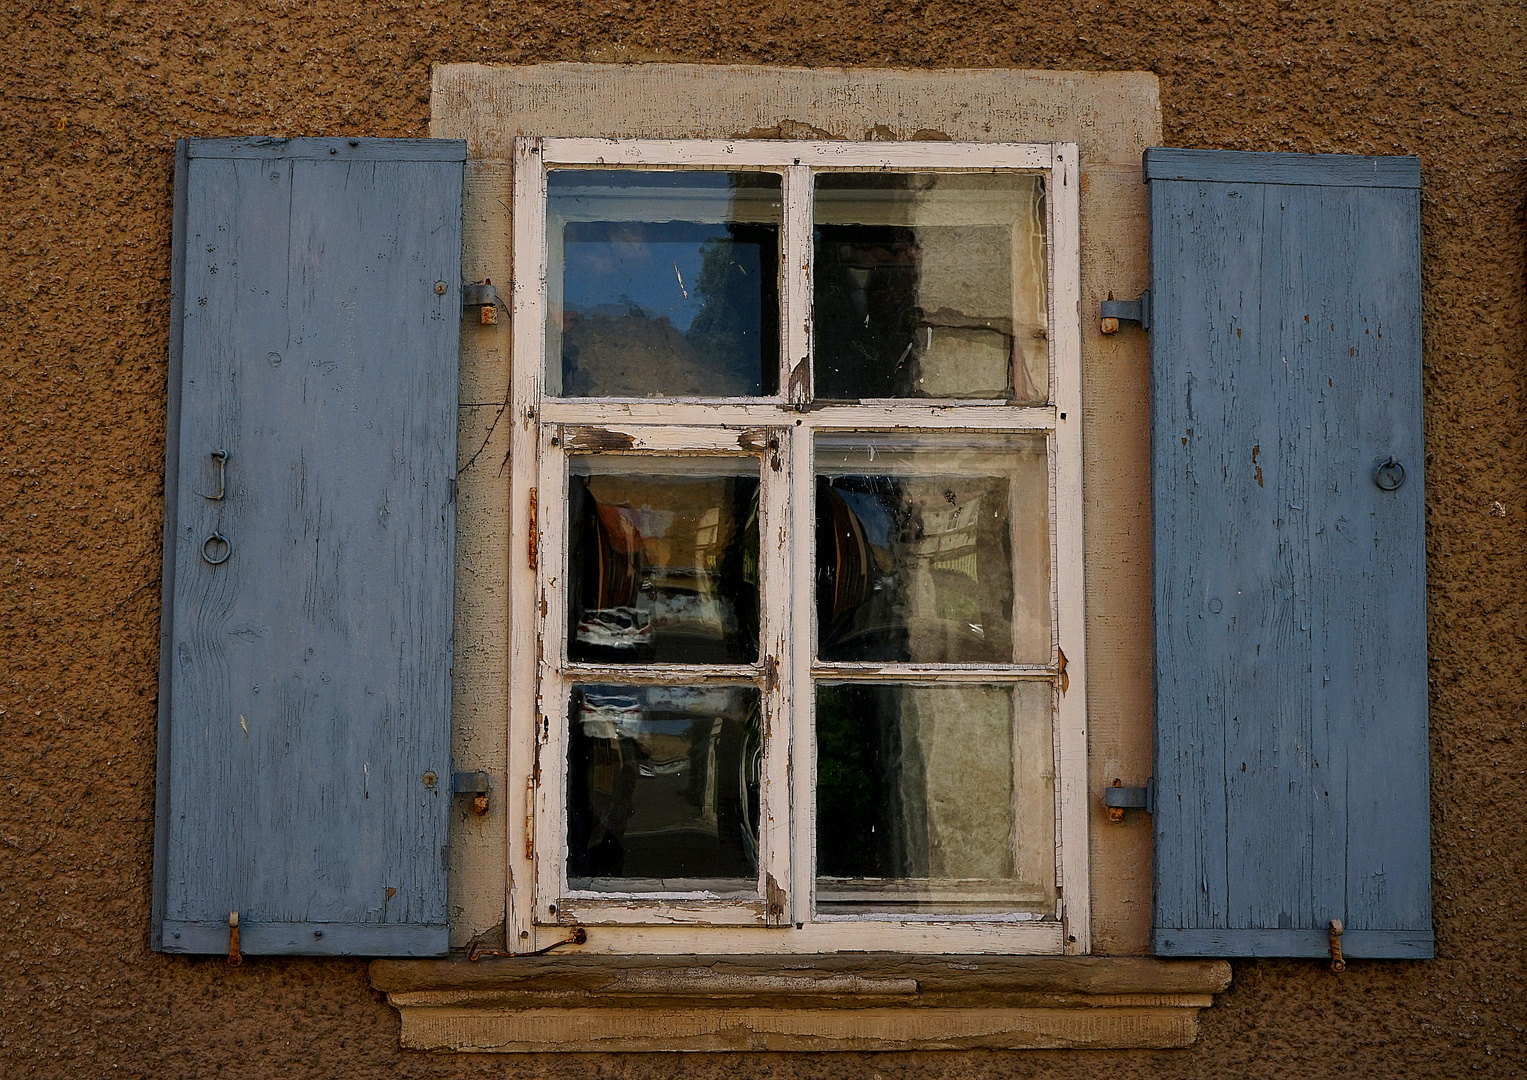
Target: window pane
(662,284)
(662,786)
(933,548)
(935,798)
(663,560)
(930,285)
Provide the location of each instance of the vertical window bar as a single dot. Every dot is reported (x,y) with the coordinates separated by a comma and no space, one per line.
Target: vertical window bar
(795,379)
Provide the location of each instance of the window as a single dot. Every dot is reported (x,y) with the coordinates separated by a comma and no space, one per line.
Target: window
(697,636)
(806,568)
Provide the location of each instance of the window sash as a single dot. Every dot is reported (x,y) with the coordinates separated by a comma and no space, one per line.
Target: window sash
(537,843)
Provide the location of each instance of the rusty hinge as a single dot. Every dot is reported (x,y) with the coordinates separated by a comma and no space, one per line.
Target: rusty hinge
(530,818)
(1120,798)
(531,539)
(1137,310)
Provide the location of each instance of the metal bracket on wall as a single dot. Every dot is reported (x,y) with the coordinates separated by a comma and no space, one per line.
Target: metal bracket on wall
(474,784)
(1137,310)
(1119,799)
(484,297)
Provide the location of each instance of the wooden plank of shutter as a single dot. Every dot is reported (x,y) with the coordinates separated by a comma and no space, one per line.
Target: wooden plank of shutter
(305,679)
(1289,605)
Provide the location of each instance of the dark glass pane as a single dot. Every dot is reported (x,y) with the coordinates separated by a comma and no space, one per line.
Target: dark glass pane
(930,285)
(662,560)
(933,549)
(663,788)
(662,284)
(935,797)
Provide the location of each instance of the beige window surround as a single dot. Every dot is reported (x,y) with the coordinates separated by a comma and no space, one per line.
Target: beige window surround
(586,998)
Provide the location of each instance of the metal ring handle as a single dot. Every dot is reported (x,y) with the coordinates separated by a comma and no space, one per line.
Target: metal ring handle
(227,549)
(1389,474)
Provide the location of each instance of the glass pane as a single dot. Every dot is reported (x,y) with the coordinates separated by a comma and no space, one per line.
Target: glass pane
(662,284)
(933,549)
(662,789)
(935,798)
(931,285)
(662,560)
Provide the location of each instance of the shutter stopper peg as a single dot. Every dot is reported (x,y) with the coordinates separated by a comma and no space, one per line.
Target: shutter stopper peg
(1338,963)
(234,959)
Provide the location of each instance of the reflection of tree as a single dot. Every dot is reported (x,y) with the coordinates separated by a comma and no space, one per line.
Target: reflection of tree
(868,761)
(867,285)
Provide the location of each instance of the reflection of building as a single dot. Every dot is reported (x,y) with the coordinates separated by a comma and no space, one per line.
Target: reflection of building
(936,588)
(664,568)
(664,784)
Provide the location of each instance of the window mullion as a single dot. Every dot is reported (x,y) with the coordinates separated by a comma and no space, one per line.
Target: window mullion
(795,358)
(801,646)
(777,561)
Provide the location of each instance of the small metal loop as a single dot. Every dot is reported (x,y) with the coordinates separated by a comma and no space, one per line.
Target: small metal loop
(216,537)
(1389,474)
(221,457)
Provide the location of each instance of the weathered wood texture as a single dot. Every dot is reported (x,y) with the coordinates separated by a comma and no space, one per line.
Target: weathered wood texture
(306,683)
(1289,612)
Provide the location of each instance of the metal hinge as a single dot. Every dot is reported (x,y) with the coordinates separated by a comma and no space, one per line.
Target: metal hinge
(534,532)
(484,297)
(1119,799)
(1137,310)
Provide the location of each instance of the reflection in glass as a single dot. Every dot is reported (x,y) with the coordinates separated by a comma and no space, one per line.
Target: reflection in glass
(935,798)
(662,559)
(662,786)
(662,283)
(933,549)
(930,285)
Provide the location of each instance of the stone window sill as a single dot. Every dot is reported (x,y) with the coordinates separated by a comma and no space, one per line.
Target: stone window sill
(857,1002)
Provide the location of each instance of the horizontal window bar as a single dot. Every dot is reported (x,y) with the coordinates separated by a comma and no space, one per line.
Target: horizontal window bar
(682,674)
(935,673)
(848,417)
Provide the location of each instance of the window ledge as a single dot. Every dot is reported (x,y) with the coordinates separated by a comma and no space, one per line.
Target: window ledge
(859,1002)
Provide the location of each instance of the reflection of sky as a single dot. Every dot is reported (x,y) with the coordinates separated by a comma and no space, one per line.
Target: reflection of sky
(655,266)
(618,274)
(872,515)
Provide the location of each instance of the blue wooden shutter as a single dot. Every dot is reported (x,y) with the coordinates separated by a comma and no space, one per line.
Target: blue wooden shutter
(305,672)
(1290,592)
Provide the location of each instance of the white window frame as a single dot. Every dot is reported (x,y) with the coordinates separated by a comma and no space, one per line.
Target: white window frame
(782,920)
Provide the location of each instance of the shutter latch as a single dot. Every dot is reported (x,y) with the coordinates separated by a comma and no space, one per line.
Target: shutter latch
(1119,798)
(1137,310)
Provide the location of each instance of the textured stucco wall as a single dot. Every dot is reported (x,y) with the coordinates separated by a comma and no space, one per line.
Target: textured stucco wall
(91,97)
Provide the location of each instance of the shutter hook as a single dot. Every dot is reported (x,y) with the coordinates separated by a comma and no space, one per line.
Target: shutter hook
(1338,962)
(221,457)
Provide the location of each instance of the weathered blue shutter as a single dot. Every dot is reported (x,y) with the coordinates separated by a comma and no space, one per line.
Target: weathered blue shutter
(305,674)
(1290,592)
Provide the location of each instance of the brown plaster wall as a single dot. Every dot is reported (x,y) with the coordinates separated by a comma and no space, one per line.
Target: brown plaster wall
(91,97)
